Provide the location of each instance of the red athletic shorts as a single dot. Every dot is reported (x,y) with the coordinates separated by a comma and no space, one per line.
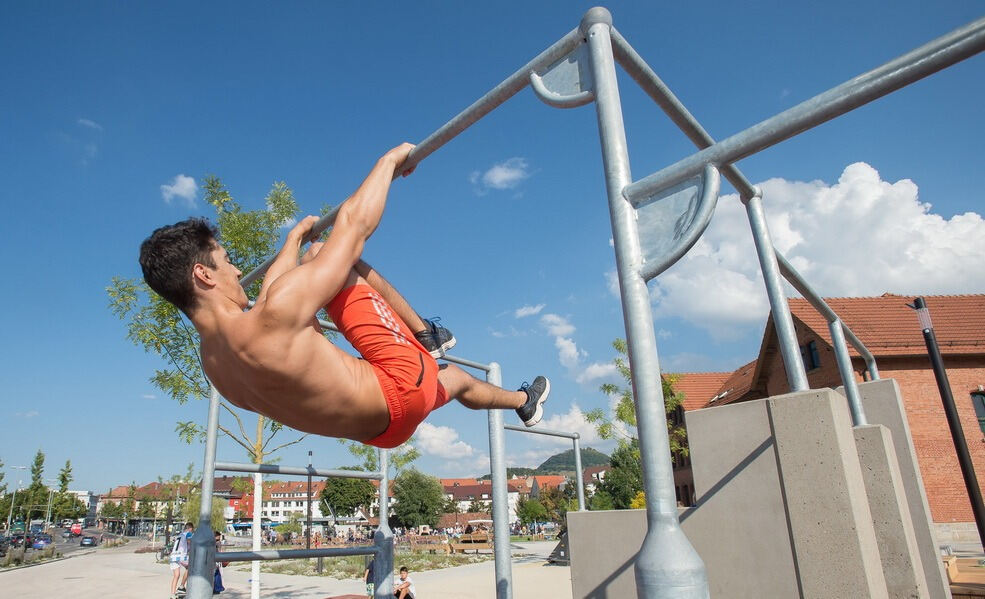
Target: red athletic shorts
(407,373)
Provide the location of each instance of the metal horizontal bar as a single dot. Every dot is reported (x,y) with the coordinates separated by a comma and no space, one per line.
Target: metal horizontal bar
(650,82)
(272,554)
(915,65)
(464,362)
(480,108)
(290,470)
(803,287)
(541,431)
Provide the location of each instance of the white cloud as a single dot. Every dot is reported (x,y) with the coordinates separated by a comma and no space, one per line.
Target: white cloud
(571,422)
(612,282)
(567,352)
(504,175)
(442,441)
(148,396)
(182,186)
(90,124)
(556,325)
(859,237)
(28,415)
(596,371)
(528,310)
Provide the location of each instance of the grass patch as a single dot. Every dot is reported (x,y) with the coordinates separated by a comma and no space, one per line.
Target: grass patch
(20,557)
(353,566)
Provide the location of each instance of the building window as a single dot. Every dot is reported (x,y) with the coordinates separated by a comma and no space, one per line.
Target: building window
(808,353)
(978,400)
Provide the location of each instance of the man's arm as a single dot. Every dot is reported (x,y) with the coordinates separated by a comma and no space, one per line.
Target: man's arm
(304,290)
(287,258)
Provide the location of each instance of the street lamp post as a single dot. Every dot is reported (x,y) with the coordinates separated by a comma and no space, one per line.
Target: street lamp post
(13,499)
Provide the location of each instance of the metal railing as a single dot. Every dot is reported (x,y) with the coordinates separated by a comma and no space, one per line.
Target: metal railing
(576,443)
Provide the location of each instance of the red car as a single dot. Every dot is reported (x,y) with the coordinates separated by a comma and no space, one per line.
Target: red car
(76,529)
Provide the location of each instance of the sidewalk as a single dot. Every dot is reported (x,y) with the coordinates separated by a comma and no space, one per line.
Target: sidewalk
(119,573)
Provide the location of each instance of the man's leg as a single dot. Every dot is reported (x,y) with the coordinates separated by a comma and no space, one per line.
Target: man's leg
(480,395)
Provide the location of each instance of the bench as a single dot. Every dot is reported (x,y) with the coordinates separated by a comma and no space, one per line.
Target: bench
(431,544)
(470,542)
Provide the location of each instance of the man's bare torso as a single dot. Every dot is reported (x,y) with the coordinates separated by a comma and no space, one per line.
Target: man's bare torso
(293,375)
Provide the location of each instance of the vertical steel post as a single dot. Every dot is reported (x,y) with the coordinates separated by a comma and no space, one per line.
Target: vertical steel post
(383,537)
(307,520)
(847,375)
(500,502)
(786,335)
(579,474)
(953,420)
(201,557)
(667,566)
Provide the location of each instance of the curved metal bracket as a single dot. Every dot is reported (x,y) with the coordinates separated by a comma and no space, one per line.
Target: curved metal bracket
(671,221)
(566,83)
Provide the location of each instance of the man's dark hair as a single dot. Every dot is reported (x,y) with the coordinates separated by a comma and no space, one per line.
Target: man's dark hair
(404,569)
(169,254)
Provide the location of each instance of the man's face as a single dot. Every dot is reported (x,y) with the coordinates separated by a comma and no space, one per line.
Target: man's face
(403,574)
(227,276)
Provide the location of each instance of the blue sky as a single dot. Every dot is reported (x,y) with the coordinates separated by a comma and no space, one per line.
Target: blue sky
(111,115)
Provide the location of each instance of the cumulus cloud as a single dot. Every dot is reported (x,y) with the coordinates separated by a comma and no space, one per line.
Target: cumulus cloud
(501,176)
(182,186)
(861,236)
(556,325)
(90,124)
(571,422)
(597,371)
(528,310)
(567,352)
(442,441)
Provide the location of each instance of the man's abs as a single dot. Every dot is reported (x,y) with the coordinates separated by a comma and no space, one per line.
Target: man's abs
(300,380)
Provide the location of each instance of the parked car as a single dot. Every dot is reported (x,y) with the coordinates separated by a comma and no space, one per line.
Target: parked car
(19,539)
(41,541)
(87,541)
(66,533)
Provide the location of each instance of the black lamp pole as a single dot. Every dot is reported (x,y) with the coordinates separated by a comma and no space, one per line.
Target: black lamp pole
(957,434)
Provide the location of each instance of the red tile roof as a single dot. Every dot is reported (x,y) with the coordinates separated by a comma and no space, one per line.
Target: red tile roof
(449,482)
(889,328)
(738,384)
(698,387)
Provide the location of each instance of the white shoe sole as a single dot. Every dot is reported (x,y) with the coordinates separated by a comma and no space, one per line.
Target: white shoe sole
(539,412)
(444,347)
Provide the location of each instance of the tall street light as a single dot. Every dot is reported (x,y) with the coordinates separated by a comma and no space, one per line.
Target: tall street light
(10,514)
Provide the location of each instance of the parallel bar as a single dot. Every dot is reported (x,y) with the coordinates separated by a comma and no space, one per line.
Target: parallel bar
(667,566)
(480,108)
(815,299)
(847,374)
(500,499)
(541,431)
(201,563)
(640,71)
(786,334)
(295,471)
(272,554)
(938,54)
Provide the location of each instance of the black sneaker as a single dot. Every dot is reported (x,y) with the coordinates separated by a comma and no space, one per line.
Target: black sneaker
(437,340)
(531,412)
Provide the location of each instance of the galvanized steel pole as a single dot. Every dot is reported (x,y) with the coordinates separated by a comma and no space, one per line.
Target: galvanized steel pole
(201,558)
(383,538)
(667,566)
(847,374)
(782,320)
(500,501)
(579,474)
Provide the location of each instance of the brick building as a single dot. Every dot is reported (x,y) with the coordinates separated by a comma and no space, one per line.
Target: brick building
(889,329)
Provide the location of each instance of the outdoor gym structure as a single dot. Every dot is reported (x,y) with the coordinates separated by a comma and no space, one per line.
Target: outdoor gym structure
(655,221)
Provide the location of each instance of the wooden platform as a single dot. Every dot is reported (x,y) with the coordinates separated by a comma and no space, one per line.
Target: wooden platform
(967,577)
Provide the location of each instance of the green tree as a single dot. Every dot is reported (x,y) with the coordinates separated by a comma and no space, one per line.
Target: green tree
(399,459)
(345,495)
(249,237)
(217,518)
(625,479)
(478,506)
(418,498)
(65,477)
(450,506)
(530,510)
(3,485)
(601,500)
(111,510)
(555,503)
(293,525)
(622,424)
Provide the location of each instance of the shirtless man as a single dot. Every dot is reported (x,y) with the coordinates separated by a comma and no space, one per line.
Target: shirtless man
(274,359)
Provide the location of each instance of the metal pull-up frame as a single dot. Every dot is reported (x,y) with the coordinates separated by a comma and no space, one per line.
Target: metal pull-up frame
(654,222)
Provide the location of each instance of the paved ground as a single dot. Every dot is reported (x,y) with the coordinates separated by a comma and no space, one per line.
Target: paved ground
(118,572)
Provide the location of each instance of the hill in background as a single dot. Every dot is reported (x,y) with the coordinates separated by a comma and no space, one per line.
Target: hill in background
(565,461)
